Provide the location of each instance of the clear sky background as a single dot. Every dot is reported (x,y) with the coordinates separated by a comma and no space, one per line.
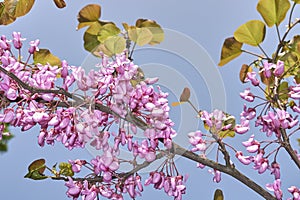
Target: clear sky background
(205,23)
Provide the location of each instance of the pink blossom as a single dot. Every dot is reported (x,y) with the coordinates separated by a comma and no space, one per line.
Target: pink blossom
(275,169)
(74,188)
(34,46)
(247,95)
(251,76)
(251,144)
(195,138)
(279,68)
(243,127)
(217,175)
(246,160)
(295,192)
(248,113)
(275,187)
(17,40)
(260,163)
(267,69)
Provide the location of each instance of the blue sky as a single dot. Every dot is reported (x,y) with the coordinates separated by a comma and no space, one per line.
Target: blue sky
(203,23)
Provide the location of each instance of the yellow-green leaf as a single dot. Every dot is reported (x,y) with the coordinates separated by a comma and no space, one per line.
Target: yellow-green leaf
(252,32)
(91,41)
(218,195)
(230,119)
(65,169)
(283,91)
(115,44)
(88,15)
(230,50)
(297,1)
(44,56)
(107,31)
(23,7)
(273,11)
(141,36)
(156,30)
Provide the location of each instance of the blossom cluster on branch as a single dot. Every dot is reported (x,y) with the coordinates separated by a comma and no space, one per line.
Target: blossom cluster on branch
(88,108)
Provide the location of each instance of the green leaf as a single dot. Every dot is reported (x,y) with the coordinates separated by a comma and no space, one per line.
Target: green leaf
(107,31)
(91,41)
(283,91)
(273,11)
(218,195)
(36,170)
(230,119)
(6,136)
(154,28)
(23,7)
(88,15)
(230,50)
(141,36)
(65,169)
(252,32)
(44,56)
(115,44)
(4,141)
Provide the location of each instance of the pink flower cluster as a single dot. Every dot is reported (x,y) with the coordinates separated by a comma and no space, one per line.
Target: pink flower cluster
(172,185)
(275,120)
(75,119)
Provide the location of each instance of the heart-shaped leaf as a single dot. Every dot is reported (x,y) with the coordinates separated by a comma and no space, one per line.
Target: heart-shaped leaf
(88,15)
(141,36)
(252,32)
(273,11)
(115,44)
(44,56)
(107,31)
(230,50)
(156,30)
(90,41)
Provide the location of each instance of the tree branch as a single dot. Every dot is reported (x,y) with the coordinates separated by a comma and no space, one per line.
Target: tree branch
(227,170)
(142,125)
